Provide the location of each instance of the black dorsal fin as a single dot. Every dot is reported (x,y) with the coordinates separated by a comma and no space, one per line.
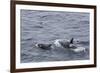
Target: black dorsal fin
(71,41)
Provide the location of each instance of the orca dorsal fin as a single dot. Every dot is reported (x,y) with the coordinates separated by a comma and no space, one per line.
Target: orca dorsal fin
(71,41)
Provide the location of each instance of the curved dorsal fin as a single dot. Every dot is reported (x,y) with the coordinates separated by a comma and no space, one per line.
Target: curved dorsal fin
(71,41)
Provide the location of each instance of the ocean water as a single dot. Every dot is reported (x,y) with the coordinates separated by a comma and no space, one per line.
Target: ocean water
(47,26)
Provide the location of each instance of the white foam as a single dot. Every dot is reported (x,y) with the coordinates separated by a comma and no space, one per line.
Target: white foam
(79,49)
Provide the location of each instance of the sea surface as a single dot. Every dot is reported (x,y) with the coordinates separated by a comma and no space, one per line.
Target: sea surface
(47,26)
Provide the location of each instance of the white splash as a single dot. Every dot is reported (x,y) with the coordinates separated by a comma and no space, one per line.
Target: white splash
(79,49)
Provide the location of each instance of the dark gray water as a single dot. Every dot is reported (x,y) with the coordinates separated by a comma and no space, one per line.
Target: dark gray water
(47,26)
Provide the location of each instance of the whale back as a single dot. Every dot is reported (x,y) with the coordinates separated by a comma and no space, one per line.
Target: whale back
(65,44)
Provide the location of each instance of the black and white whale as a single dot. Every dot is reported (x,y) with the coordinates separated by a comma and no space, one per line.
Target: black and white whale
(69,44)
(63,43)
(44,46)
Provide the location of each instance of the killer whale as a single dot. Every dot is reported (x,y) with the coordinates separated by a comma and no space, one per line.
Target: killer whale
(43,46)
(69,44)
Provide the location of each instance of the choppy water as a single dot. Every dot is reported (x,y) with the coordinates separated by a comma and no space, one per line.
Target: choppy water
(45,27)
